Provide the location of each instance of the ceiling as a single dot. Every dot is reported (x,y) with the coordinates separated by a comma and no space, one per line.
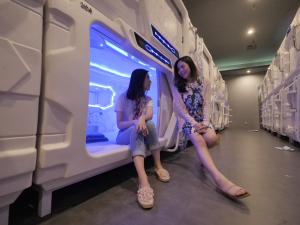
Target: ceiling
(224,23)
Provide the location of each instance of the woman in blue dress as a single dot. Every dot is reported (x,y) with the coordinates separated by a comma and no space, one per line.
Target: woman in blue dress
(192,103)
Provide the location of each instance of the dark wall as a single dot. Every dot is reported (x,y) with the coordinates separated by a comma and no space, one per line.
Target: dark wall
(243,99)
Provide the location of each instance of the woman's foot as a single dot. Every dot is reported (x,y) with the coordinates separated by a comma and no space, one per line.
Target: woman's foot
(145,197)
(231,190)
(162,174)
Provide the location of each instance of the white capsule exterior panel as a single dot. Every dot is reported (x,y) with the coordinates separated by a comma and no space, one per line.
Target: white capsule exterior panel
(291,99)
(202,58)
(280,93)
(166,35)
(294,43)
(189,38)
(170,25)
(277,112)
(119,9)
(20,62)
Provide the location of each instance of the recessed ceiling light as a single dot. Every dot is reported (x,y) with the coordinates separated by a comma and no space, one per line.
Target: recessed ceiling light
(248,71)
(250,31)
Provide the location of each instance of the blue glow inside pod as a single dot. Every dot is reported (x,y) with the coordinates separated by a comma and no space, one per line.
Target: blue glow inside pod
(110,71)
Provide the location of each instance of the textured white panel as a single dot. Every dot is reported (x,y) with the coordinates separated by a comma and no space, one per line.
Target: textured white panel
(57,119)
(275,75)
(22,162)
(12,66)
(18,115)
(294,59)
(170,26)
(34,5)
(126,10)
(297,37)
(25,29)
(289,41)
(166,105)
(20,70)
(205,67)
(284,64)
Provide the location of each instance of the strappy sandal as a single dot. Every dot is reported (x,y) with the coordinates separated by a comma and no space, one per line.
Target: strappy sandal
(162,174)
(233,195)
(145,197)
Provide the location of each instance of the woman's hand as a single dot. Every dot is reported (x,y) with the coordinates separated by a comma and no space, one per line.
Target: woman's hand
(141,126)
(201,128)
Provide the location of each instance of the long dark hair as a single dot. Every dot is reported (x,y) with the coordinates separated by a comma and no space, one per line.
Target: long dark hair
(136,85)
(179,82)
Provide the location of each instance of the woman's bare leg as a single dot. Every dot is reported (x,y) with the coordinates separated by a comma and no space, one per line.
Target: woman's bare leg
(156,158)
(140,169)
(162,174)
(202,151)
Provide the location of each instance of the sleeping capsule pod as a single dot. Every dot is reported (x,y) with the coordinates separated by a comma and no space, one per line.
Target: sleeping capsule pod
(90,50)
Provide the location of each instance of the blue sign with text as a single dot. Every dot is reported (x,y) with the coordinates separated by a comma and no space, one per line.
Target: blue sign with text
(164,41)
(151,50)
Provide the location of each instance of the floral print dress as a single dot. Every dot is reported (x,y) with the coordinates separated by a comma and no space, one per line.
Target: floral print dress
(193,100)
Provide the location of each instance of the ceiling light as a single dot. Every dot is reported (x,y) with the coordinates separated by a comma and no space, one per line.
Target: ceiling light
(248,71)
(250,31)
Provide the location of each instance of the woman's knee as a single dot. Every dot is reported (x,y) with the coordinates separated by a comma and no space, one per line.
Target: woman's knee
(212,139)
(151,128)
(150,124)
(123,137)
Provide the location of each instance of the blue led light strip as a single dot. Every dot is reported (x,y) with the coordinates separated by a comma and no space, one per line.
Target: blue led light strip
(116,48)
(164,41)
(151,50)
(106,69)
(111,104)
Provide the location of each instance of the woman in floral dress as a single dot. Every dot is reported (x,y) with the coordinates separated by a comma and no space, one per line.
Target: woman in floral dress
(192,103)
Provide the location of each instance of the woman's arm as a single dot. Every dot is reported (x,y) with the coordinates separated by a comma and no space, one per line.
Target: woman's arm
(124,124)
(181,109)
(140,123)
(147,112)
(119,109)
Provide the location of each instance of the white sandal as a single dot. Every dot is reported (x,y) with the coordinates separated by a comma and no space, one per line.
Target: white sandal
(162,174)
(145,197)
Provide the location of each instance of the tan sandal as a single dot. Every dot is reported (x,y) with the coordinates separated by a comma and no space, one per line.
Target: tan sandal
(229,193)
(145,197)
(162,174)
